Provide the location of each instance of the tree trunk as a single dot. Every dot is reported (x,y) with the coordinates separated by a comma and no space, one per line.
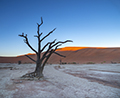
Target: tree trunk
(38,70)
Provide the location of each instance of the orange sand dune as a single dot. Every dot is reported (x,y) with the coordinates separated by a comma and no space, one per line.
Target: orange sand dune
(77,48)
(74,54)
(26,54)
(70,48)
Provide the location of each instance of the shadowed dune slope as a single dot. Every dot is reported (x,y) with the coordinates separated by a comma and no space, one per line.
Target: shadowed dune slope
(73,54)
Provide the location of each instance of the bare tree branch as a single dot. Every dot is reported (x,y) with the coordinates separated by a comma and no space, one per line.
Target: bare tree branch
(35,36)
(44,55)
(57,47)
(45,46)
(26,41)
(48,34)
(51,46)
(39,43)
(40,23)
(59,54)
(48,44)
(47,58)
(62,42)
(48,50)
(39,26)
(38,35)
(30,58)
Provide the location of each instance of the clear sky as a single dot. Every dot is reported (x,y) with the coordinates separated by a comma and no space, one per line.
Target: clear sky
(91,23)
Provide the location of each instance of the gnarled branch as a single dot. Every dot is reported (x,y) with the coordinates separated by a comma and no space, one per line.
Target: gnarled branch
(49,43)
(62,42)
(48,56)
(47,34)
(26,41)
(41,21)
(39,25)
(59,54)
(51,46)
(30,58)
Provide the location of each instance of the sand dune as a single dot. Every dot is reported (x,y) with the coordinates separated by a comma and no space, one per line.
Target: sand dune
(74,54)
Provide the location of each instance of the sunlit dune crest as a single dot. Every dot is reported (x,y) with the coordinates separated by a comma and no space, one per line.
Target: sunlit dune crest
(30,54)
(26,54)
(68,49)
(77,48)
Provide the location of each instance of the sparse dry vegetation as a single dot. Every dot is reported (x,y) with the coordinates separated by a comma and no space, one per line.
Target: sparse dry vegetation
(90,62)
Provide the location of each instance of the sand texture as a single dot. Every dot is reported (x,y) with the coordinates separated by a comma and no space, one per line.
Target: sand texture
(61,81)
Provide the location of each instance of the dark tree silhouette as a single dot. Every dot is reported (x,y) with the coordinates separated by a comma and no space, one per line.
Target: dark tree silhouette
(42,59)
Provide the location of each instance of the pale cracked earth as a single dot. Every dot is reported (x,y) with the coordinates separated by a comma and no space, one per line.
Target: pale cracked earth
(61,81)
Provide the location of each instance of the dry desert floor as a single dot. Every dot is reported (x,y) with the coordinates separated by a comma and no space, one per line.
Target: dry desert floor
(61,81)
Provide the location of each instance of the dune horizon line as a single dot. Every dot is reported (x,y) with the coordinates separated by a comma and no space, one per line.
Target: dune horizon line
(69,48)
(72,48)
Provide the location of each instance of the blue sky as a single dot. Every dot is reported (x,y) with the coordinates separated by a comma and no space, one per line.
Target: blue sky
(91,23)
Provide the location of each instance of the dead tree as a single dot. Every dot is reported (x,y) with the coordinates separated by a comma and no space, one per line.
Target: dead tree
(42,59)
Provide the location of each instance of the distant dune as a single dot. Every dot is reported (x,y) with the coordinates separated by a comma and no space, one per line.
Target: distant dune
(74,55)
